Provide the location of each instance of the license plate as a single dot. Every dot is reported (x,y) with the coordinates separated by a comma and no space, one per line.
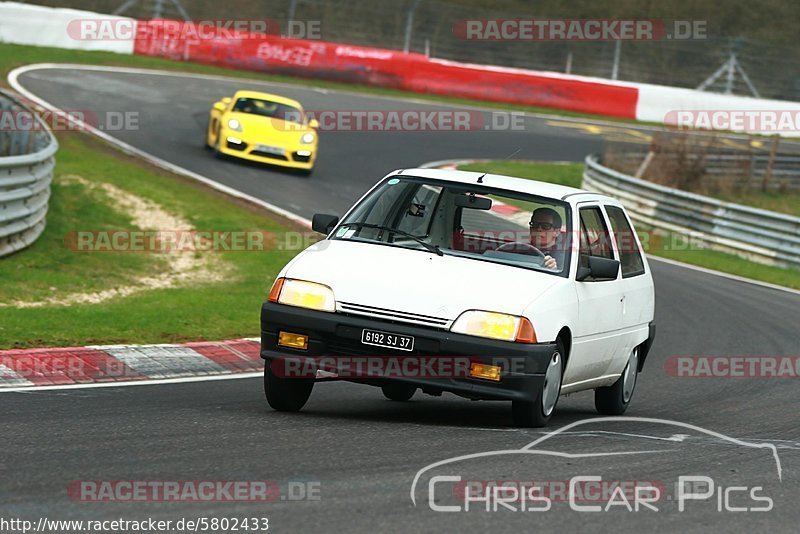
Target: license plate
(270,150)
(387,339)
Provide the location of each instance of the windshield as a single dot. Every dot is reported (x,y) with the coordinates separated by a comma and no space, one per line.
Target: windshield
(465,220)
(266,108)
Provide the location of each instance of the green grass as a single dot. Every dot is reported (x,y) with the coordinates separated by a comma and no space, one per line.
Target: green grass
(13,56)
(571,175)
(788,203)
(219,310)
(49,268)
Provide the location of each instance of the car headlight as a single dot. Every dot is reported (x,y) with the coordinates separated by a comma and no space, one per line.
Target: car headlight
(495,326)
(235,125)
(308,138)
(303,294)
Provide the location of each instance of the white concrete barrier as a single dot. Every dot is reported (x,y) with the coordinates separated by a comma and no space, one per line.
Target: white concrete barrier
(662,105)
(56,27)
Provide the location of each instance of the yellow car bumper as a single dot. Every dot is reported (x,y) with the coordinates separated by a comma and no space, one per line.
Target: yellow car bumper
(295,157)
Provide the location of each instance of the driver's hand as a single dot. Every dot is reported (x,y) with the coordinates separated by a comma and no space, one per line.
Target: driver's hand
(550,262)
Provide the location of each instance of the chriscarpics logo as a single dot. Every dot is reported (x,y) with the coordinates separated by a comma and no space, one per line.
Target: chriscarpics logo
(614,465)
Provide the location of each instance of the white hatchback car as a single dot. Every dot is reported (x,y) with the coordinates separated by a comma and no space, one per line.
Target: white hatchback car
(486,286)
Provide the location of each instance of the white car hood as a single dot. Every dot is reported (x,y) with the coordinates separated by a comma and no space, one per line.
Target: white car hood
(417,282)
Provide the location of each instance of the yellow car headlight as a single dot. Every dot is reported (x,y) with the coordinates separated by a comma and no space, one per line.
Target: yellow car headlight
(494,325)
(235,125)
(303,294)
(308,138)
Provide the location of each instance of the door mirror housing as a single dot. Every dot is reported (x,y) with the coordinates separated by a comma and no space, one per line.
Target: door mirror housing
(314,124)
(324,223)
(599,269)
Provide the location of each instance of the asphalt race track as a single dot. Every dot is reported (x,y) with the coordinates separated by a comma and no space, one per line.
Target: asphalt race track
(365,451)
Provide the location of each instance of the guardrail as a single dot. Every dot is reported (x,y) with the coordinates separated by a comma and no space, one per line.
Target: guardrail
(27,159)
(759,235)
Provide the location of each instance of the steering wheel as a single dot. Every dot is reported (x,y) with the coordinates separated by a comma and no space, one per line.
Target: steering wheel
(511,247)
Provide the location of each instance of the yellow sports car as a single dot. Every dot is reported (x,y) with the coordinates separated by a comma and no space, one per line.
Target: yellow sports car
(265,128)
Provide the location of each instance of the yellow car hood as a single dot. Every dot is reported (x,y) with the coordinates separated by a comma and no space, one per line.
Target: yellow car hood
(268,129)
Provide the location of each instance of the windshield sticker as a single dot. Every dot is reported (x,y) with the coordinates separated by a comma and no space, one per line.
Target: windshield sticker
(394,181)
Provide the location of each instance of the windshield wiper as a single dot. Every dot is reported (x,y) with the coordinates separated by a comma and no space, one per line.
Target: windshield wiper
(431,248)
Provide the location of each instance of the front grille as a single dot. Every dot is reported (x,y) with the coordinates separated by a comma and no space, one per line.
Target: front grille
(393,315)
(268,155)
(300,159)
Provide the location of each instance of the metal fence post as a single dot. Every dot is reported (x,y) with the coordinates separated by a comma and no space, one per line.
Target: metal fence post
(409,25)
(615,68)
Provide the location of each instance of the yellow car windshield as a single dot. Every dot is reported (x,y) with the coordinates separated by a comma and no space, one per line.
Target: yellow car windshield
(266,108)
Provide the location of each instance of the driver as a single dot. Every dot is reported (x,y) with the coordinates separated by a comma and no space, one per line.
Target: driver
(545,231)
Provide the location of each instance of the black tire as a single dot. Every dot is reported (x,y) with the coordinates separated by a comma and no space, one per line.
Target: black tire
(398,392)
(205,138)
(286,394)
(615,399)
(531,414)
(217,152)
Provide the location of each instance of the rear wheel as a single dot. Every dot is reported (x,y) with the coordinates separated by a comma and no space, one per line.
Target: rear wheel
(398,392)
(286,394)
(615,399)
(537,413)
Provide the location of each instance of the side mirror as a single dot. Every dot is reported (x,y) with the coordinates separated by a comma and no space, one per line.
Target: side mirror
(599,268)
(324,223)
(219,106)
(314,124)
(227,100)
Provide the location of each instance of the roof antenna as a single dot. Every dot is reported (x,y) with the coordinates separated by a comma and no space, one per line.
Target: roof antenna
(480,178)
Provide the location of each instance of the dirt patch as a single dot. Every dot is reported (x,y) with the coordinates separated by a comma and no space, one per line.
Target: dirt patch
(182,269)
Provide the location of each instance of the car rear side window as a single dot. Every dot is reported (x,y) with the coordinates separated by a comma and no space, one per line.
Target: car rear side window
(629,254)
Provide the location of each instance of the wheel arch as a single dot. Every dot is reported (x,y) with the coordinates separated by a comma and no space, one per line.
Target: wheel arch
(565,335)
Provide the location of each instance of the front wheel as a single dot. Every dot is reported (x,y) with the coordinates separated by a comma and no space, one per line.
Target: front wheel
(538,412)
(615,399)
(217,145)
(286,394)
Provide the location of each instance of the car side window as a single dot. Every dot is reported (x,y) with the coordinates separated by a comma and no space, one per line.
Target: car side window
(629,254)
(595,239)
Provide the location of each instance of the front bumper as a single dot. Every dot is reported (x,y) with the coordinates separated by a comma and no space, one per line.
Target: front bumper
(335,343)
(247,149)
